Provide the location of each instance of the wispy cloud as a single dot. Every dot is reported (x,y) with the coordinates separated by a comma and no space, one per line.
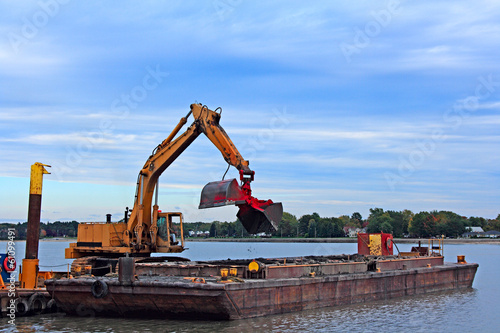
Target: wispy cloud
(104,140)
(340,126)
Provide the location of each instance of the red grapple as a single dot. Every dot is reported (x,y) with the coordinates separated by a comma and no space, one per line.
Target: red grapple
(256,215)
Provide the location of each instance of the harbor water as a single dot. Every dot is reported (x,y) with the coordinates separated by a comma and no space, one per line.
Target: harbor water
(471,310)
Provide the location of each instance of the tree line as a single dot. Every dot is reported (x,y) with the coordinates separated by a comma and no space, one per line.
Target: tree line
(426,224)
(399,223)
(47,230)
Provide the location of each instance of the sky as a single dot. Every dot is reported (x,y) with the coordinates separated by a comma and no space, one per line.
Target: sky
(339,106)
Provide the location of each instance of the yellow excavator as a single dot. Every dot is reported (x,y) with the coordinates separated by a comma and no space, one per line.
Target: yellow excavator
(148,230)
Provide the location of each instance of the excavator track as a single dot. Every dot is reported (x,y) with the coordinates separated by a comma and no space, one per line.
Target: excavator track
(78,265)
(99,266)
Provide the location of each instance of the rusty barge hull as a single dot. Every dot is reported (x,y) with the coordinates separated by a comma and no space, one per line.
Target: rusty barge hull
(178,297)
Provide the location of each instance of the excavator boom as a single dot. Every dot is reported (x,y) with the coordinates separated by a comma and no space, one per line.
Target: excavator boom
(149,230)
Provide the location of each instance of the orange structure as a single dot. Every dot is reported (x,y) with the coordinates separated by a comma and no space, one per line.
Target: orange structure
(148,230)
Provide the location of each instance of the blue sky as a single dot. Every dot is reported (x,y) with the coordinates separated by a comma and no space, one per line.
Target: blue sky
(339,106)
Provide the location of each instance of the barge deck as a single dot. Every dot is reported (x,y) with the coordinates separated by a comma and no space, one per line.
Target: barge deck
(257,288)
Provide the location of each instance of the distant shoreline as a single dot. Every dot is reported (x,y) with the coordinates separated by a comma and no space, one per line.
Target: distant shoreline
(59,239)
(310,240)
(344,240)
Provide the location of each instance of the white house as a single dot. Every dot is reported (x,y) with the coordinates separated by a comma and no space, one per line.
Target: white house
(353,231)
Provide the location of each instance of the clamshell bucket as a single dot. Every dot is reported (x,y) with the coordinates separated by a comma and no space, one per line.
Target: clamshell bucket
(260,217)
(221,193)
(255,215)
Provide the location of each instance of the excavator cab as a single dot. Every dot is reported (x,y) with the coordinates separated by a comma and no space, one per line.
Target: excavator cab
(171,236)
(255,215)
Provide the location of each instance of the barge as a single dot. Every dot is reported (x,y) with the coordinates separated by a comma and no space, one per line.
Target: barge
(237,289)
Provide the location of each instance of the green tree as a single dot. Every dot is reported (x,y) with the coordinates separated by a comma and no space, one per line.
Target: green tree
(325,227)
(407,217)
(379,221)
(493,224)
(450,224)
(386,227)
(397,223)
(424,224)
(374,212)
(356,220)
(477,222)
(213,229)
(287,226)
(416,227)
(240,230)
(304,222)
(312,229)
(344,220)
(338,227)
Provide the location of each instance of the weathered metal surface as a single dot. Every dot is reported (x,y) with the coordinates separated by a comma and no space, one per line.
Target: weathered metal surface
(291,271)
(170,297)
(287,295)
(379,244)
(255,215)
(126,271)
(177,296)
(34,209)
(221,193)
(272,267)
(33,229)
(38,299)
(260,217)
(386,265)
(287,267)
(155,269)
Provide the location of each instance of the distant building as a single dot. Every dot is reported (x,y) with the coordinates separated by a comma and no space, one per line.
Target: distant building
(492,234)
(353,231)
(481,233)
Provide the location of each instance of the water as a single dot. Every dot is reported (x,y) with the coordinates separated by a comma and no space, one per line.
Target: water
(457,311)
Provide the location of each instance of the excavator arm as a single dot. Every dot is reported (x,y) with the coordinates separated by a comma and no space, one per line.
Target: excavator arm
(206,121)
(147,229)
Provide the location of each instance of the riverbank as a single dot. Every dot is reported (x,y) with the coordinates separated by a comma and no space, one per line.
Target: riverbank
(313,240)
(60,239)
(343,240)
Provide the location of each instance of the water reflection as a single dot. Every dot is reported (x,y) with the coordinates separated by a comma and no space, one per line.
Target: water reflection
(443,312)
(458,311)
